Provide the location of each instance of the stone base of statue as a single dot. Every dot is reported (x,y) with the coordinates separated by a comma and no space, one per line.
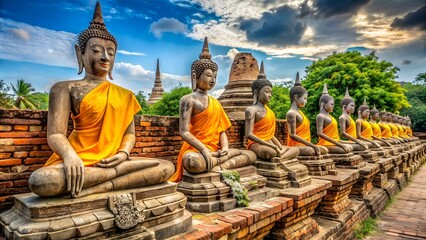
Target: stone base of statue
(348,160)
(298,224)
(318,165)
(382,152)
(283,173)
(376,201)
(206,192)
(155,212)
(364,183)
(391,188)
(368,155)
(337,201)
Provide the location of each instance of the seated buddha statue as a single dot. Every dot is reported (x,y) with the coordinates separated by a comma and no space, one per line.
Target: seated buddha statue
(298,125)
(327,129)
(377,132)
(202,126)
(348,125)
(392,121)
(95,156)
(386,131)
(364,130)
(260,123)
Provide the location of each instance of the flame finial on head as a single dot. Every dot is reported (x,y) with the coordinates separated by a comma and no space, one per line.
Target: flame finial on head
(297,81)
(262,74)
(205,53)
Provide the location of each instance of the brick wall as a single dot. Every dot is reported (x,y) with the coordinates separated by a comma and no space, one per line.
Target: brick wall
(23,145)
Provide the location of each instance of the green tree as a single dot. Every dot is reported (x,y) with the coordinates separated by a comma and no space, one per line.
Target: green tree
(365,76)
(420,78)
(5,99)
(280,100)
(142,101)
(168,105)
(23,95)
(41,100)
(416,95)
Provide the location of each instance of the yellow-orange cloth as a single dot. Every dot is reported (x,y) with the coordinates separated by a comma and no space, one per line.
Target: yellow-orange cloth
(366,130)
(206,127)
(105,114)
(330,130)
(400,131)
(351,129)
(385,129)
(410,132)
(265,127)
(394,130)
(376,129)
(302,131)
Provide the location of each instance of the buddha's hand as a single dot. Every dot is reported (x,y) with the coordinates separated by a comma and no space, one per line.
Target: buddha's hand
(317,150)
(223,152)
(209,159)
(376,144)
(74,173)
(278,150)
(346,148)
(364,145)
(387,143)
(112,161)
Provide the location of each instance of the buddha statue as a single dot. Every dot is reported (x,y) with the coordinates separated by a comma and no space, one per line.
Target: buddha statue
(364,130)
(95,157)
(260,123)
(327,129)
(202,125)
(298,125)
(348,125)
(377,132)
(385,129)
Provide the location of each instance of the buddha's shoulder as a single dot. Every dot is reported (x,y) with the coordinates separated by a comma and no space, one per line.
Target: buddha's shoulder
(65,85)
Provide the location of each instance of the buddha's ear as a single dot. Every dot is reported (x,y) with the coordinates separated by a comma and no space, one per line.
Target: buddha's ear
(110,71)
(322,105)
(295,97)
(255,96)
(193,80)
(79,58)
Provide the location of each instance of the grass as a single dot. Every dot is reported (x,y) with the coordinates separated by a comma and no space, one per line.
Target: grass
(366,228)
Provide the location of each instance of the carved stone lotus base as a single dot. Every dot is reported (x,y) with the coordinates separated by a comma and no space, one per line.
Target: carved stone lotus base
(368,156)
(206,192)
(318,165)
(364,183)
(283,173)
(348,160)
(155,212)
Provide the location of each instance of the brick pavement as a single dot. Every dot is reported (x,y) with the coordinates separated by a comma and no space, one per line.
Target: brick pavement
(406,218)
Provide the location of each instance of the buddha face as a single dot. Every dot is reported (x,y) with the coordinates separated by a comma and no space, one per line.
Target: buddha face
(365,113)
(99,55)
(375,116)
(350,108)
(302,100)
(329,105)
(265,94)
(207,80)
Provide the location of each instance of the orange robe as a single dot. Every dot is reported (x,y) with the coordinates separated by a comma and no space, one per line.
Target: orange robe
(376,129)
(366,130)
(330,130)
(105,114)
(385,129)
(394,130)
(351,129)
(302,131)
(265,127)
(410,132)
(206,127)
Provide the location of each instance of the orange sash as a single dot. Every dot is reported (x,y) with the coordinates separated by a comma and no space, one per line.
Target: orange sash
(206,127)
(264,128)
(330,130)
(394,130)
(385,129)
(410,132)
(351,129)
(105,114)
(302,131)
(376,129)
(366,130)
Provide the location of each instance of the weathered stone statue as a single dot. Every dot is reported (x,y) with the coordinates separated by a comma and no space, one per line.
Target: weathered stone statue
(364,130)
(260,123)
(95,157)
(327,129)
(202,125)
(386,131)
(348,125)
(375,127)
(299,133)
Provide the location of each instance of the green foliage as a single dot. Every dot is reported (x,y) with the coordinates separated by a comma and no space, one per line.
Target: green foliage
(365,76)
(366,228)
(280,100)
(416,95)
(420,78)
(168,105)
(232,178)
(41,100)
(142,101)
(5,99)
(24,96)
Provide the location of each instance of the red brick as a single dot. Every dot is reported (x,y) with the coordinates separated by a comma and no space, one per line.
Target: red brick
(20,127)
(249,216)
(145,124)
(5,128)
(45,147)
(10,162)
(20,154)
(236,221)
(18,121)
(29,141)
(7,184)
(5,155)
(41,153)
(39,160)
(20,183)
(11,191)
(6,199)
(12,176)
(264,212)
(197,235)
(22,134)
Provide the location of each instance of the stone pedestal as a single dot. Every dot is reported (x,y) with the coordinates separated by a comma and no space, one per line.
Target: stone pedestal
(155,212)
(376,201)
(318,165)
(368,155)
(283,173)
(206,192)
(364,183)
(348,160)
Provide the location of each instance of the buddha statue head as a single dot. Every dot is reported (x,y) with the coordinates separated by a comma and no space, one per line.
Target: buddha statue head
(298,93)
(204,70)
(364,110)
(96,47)
(408,120)
(383,115)
(326,101)
(374,113)
(261,88)
(347,104)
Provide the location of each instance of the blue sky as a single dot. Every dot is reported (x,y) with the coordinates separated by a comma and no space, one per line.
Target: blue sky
(37,37)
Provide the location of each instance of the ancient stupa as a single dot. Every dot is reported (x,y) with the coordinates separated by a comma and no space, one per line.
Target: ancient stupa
(237,95)
(157,90)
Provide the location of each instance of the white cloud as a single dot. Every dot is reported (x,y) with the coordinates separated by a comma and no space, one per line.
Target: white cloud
(167,25)
(281,80)
(309,58)
(217,93)
(124,52)
(20,33)
(199,15)
(113,11)
(283,56)
(229,56)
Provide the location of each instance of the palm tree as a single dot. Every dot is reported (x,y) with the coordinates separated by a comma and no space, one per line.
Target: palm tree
(23,98)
